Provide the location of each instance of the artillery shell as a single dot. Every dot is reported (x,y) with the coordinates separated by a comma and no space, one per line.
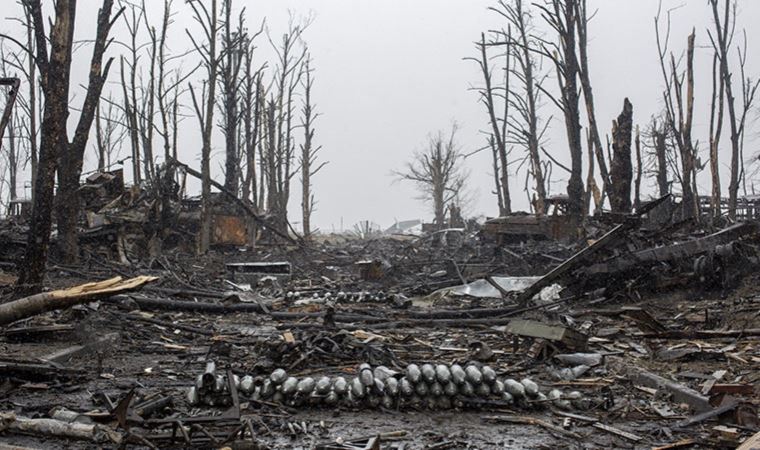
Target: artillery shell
(415,401)
(435,388)
(457,374)
(405,387)
(305,386)
(366,377)
(387,402)
(428,372)
(332,398)
(473,375)
(278,397)
(278,376)
(450,389)
(483,390)
(466,389)
(541,398)
(457,402)
(199,382)
(421,389)
(379,387)
(364,366)
(383,373)
(323,386)
(507,397)
(192,396)
(413,373)
(267,389)
(220,384)
(246,385)
(209,375)
(514,388)
(554,395)
(235,381)
(373,401)
(340,386)
(489,376)
(357,388)
(442,373)
(573,395)
(497,387)
(431,402)
(531,388)
(563,404)
(391,386)
(290,386)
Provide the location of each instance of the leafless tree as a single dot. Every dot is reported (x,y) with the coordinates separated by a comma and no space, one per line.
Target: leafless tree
(57,154)
(497,136)
(233,50)
(437,171)
(725,25)
(109,133)
(524,127)
(309,152)
(562,17)
(251,100)
(639,171)
(204,104)
(588,95)
(679,111)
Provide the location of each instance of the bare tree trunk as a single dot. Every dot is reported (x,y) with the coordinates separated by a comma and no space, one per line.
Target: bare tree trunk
(660,148)
(498,132)
(232,52)
(639,172)
(621,171)
(588,95)
(70,161)
(716,127)
(55,72)
(207,51)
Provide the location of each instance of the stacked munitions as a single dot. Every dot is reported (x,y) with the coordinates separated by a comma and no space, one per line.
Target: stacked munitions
(345,297)
(427,386)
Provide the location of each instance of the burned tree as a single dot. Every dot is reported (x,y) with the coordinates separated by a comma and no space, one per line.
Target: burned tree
(588,95)
(55,149)
(232,51)
(725,24)
(679,112)
(525,129)
(204,106)
(562,17)
(621,168)
(498,133)
(438,173)
(309,151)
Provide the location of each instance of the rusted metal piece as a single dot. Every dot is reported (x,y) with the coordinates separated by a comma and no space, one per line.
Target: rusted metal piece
(229,230)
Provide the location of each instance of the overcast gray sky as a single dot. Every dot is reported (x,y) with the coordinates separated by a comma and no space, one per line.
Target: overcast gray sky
(389,72)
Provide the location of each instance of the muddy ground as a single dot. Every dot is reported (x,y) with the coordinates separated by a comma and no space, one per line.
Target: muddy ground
(159,352)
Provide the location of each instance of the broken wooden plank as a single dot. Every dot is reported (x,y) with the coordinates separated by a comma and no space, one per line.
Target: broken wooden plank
(527,420)
(753,443)
(680,393)
(680,444)
(617,431)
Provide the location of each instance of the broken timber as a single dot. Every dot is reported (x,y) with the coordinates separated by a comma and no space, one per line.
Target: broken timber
(66,298)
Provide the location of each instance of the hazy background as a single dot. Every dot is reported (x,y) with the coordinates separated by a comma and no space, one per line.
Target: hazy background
(389,72)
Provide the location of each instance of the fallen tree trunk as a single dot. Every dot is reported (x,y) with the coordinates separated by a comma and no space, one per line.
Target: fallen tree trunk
(98,434)
(66,298)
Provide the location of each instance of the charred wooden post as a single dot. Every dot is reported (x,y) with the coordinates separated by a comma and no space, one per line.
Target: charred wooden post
(621,170)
